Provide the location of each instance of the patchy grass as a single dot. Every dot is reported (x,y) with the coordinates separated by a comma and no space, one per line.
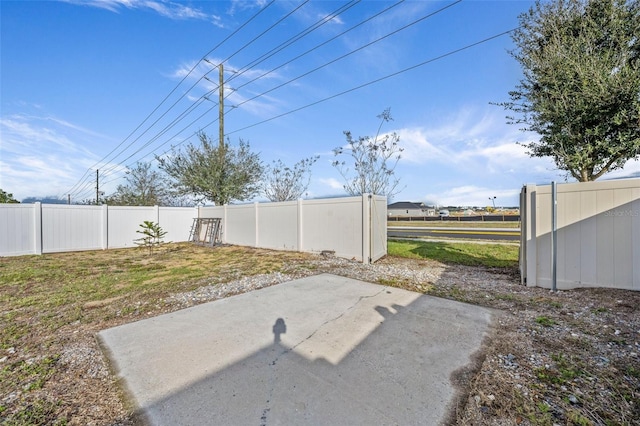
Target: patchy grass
(50,300)
(545,321)
(565,358)
(470,254)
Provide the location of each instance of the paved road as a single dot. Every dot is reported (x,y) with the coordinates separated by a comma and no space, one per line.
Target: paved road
(501,234)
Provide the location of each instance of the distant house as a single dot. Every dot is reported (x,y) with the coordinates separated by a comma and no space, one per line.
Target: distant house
(407,209)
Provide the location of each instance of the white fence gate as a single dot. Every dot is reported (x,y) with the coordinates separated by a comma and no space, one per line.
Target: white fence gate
(597,237)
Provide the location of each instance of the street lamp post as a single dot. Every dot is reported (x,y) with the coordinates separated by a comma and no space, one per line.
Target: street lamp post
(493,200)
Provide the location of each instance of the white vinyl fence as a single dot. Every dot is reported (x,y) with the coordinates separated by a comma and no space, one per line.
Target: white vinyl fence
(50,228)
(353,227)
(597,237)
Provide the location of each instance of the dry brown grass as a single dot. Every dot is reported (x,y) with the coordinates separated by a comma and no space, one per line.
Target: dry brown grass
(555,358)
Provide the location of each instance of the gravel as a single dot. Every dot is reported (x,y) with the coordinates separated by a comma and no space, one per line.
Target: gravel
(564,358)
(570,357)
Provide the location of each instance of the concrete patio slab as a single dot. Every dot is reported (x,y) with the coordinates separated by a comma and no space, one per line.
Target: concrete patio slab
(319,350)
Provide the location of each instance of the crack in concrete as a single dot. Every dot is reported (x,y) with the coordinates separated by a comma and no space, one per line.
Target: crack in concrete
(265,411)
(360,299)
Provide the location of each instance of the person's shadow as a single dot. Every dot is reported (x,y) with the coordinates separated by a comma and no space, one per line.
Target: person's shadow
(278,328)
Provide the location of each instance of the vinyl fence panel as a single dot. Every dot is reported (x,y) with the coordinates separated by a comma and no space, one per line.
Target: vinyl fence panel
(71,228)
(598,235)
(125,221)
(18,229)
(177,222)
(241,225)
(49,228)
(353,227)
(334,225)
(378,226)
(277,225)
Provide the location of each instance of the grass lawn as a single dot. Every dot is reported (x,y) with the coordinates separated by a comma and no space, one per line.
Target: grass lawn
(490,255)
(455,224)
(50,300)
(565,345)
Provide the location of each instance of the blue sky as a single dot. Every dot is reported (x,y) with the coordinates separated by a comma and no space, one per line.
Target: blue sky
(83,85)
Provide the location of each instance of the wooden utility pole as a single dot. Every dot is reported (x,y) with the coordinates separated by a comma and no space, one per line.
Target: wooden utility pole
(221,105)
(97,187)
(220,100)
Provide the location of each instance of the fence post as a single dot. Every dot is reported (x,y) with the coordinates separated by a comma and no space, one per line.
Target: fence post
(156,209)
(300,227)
(255,215)
(224,223)
(366,228)
(531,237)
(105,226)
(37,227)
(554,236)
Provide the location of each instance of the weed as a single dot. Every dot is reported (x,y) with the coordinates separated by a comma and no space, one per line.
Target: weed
(36,413)
(507,297)
(578,419)
(633,372)
(545,321)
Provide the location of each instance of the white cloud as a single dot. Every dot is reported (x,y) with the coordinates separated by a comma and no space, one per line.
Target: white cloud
(471,195)
(242,5)
(44,155)
(235,94)
(331,183)
(473,140)
(168,9)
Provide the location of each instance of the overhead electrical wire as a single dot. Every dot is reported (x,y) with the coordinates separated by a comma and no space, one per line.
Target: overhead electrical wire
(288,42)
(320,45)
(113,167)
(369,83)
(351,52)
(341,57)
(337,94)
(175,88)
(311,71)
(294,39)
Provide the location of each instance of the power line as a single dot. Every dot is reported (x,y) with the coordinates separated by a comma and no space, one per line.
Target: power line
(322,44)
(377,80)
(334,60)
(173,90)
(294,39)
(352,52)
(359,86)
(283,45)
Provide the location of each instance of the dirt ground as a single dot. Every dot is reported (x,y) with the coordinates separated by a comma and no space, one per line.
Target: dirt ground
(567,358)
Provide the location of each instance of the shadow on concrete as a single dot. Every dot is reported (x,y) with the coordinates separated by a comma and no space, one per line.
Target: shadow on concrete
(400,372)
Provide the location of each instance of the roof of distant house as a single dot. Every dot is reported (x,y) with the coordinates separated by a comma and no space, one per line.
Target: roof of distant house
(406,205)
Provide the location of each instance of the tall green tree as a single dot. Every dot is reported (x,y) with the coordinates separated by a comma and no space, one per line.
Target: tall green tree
(6,197)
(581,86)
(371,162)
(144,187)
(284,183)
(216,172)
